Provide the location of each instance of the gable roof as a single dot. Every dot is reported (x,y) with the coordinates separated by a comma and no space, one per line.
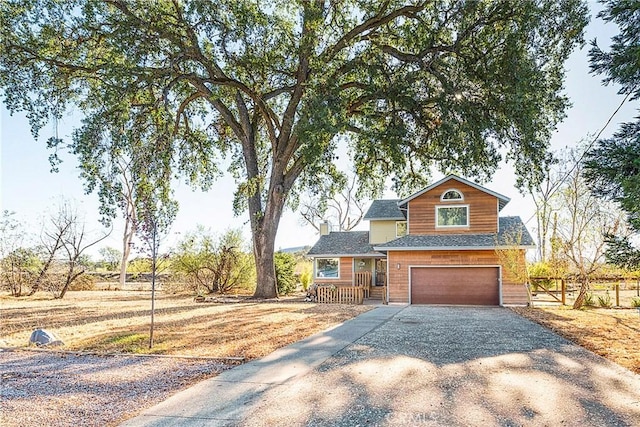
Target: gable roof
(509,227)
(503,200)
(385,209)
(345,243)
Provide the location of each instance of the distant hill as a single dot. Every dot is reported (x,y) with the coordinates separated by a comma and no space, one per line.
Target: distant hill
(295,250)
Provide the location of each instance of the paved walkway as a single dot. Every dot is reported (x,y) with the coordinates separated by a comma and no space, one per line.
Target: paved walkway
(398,366)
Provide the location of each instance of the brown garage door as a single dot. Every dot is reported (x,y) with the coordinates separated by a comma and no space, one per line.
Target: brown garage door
(455,285)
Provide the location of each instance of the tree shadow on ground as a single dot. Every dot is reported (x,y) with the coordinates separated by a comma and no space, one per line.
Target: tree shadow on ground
(457,367)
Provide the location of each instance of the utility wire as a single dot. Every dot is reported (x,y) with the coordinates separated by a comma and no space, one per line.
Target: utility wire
(556,187)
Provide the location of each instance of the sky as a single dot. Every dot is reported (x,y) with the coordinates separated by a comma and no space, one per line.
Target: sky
(28,188)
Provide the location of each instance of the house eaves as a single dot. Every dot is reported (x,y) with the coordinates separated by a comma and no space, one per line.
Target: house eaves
(503,200)
(512,234)
(449,248)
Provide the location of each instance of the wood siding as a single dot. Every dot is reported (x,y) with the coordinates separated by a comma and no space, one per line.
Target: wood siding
(512,292)
(483,210)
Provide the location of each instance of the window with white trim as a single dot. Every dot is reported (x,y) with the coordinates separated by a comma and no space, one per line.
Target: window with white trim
(452,216)
(451,195)
(327,268)
(401,228)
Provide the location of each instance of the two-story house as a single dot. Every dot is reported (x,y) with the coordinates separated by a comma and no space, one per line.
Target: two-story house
(438,246)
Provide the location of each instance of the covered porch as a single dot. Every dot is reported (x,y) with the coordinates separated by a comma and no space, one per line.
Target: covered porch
(359,279)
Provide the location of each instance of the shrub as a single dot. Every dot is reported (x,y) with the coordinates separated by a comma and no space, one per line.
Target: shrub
(285,272)
(605,301)
(84,282)
(589,300)
(306,276)
(138,266)
(18,270)
(635,302)
(539,269)
(210,263)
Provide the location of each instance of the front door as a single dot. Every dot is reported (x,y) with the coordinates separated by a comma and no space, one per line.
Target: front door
(381,272)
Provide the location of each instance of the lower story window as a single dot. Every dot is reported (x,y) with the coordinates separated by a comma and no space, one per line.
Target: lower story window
(328,267)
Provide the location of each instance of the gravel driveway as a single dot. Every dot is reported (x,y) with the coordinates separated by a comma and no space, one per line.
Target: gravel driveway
(56,389)
(455,366)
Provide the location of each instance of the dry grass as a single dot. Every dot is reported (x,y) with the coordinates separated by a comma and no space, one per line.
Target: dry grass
(611,333)
(110,321)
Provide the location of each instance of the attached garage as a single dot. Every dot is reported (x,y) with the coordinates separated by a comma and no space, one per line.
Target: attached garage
(455,285)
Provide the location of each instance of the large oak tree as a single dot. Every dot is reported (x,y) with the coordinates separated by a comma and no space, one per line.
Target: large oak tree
(274,87)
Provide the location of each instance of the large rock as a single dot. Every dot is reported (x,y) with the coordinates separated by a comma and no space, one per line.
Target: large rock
(42,337)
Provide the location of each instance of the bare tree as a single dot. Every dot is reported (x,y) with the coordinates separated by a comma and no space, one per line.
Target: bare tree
(75,244)
(345,209)
(64,240)
(542,194)
(583,221)
(51,239)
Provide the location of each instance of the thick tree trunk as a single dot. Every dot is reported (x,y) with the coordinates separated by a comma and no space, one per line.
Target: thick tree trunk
(264,240)
(264,230)
(265,214)
(266,286)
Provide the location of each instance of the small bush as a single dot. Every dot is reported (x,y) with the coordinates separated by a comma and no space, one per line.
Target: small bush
(589,300)
(285,272)
(635,302)
(84,282)
(306,277)
(605,301)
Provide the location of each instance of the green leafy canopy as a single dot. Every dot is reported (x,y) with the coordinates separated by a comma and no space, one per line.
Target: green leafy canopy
(277,86)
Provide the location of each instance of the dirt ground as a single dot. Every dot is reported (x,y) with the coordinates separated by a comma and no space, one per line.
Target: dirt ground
(103,375)
(119,321)
(611,333)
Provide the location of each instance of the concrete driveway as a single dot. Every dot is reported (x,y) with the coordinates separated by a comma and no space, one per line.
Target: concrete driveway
(416,365)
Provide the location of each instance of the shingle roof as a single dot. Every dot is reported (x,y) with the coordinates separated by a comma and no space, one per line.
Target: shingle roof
(509,228)
(343,243)
(385,209)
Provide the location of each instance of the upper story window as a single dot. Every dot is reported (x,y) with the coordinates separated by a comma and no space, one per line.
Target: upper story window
(452,216)
(451,195)
(401,228)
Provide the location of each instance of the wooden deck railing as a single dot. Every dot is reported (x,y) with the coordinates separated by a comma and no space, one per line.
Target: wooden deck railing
(340,294)
(363,279)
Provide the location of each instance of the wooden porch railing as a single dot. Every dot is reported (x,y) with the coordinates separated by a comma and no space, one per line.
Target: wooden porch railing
(363,279)
(340,294)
